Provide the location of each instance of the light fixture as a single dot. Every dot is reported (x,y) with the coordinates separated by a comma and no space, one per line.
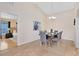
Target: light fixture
(52,17)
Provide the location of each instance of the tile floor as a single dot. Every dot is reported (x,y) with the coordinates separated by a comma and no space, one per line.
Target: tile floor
(65,48)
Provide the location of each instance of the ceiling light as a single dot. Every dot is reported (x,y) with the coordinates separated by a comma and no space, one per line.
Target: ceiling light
(52,17)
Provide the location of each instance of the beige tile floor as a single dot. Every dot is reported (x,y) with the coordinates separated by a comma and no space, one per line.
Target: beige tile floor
(11,42)
(65,48)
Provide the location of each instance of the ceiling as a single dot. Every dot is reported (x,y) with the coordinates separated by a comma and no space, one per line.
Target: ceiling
(50,8)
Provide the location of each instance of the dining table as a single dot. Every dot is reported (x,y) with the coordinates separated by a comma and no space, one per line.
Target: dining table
(49,37)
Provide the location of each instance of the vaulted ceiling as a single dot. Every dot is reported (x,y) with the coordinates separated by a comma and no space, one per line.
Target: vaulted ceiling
(50,8)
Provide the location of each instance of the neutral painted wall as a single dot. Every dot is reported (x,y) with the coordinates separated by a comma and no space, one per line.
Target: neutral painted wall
(26,13)
(64,22)
(48,24)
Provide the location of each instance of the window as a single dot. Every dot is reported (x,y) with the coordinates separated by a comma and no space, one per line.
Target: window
(3,27)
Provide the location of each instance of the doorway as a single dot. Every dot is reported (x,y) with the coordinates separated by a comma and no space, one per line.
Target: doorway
(8,33)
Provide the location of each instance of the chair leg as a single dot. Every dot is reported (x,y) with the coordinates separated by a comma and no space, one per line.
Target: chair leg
(42,43)
(51,43)
(48,42)
(58,43)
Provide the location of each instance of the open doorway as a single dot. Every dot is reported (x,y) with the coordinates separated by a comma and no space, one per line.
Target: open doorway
(8,33)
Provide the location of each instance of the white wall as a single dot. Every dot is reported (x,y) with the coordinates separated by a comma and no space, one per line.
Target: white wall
(64,21)
(27,13)
(48,24)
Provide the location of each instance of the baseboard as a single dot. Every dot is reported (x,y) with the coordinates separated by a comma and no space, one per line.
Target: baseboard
(22,43)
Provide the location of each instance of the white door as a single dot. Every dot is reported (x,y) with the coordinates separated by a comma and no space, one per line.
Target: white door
(77,32)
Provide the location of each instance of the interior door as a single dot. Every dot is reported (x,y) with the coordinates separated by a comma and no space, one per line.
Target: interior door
(77,32)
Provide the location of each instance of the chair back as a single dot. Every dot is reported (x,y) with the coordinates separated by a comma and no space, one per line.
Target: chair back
(59,35)
(42,36)
(55,32)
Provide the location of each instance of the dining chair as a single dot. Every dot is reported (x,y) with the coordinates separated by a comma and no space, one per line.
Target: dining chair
(55,32)
(43,38)
(57,39)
